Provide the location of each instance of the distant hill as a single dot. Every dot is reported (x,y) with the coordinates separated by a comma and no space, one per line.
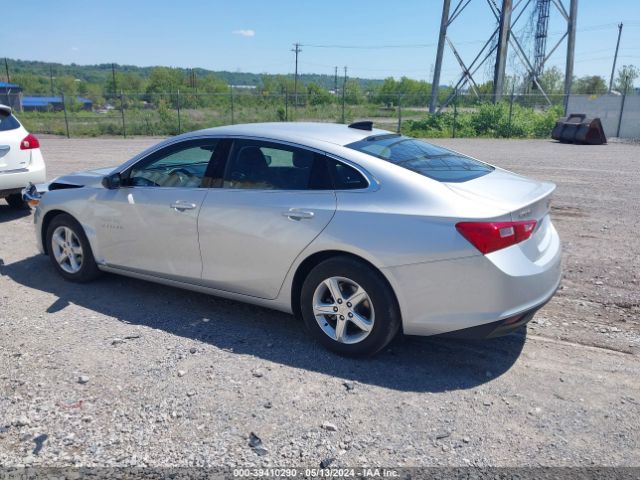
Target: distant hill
(101,73)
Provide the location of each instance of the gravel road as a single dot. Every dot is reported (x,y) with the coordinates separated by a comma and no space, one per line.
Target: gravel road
(121,372)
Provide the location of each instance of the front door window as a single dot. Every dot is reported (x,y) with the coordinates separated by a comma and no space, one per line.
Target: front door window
(181,166)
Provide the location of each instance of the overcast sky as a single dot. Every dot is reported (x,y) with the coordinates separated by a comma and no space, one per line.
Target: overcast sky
(257,36)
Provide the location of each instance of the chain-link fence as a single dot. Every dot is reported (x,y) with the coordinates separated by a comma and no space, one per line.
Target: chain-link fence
(463,115)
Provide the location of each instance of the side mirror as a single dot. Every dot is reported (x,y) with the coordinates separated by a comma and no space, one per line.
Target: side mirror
(112,181)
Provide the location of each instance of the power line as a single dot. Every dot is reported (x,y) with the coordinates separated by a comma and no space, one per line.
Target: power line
(376,47)
(588,28)
(372,47)
(368,69)
(607,58)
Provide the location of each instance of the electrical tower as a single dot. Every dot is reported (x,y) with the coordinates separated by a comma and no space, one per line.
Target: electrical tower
(497,46)
(542,25)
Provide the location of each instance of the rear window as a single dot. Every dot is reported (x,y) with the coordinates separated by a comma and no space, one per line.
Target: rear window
(8,122)
(421,157)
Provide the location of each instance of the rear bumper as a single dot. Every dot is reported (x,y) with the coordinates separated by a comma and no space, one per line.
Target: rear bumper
(476,291)
(495,329)
(15,180)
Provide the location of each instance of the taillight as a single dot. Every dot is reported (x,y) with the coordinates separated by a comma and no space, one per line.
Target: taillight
(491,236)
(29,142)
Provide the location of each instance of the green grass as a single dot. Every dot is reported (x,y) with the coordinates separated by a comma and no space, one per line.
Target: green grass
(485,120)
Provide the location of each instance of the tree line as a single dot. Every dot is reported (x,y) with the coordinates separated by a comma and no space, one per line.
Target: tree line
(195,88)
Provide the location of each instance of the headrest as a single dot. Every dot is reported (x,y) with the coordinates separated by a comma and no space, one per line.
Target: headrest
(302,159)
(251,157)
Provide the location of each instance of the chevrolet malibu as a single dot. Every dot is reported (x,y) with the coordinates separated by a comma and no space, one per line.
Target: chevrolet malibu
(358,231)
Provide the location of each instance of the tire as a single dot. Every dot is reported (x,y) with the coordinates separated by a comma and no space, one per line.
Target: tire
(66,238)
(377,310)
(15,201)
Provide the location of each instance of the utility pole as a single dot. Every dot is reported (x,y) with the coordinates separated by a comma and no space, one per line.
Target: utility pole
(113,75)
(296,50)
(444,23)
(344,90)
(6,69)
(51,78)
(615,57)
(503,44)
(335,81)
(571,46)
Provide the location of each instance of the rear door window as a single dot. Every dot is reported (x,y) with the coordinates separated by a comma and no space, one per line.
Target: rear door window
(260,165)
(424,158)
(8,122)
(346,177)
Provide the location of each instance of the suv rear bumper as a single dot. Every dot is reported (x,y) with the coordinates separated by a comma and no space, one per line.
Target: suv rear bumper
(13,181)
(9,191)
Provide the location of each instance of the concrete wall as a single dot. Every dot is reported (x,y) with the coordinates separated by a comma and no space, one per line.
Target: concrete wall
(630,126)
(607,108)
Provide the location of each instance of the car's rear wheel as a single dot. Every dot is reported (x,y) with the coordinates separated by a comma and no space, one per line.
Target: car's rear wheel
(349,307)
(69,250)
(15,201)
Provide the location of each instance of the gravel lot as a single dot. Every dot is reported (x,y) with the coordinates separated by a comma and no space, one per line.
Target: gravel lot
(121,372)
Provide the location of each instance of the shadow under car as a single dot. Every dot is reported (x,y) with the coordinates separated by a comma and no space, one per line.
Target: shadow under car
(421,364)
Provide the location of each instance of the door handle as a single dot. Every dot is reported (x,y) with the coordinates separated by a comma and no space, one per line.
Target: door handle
(181,206)
(298,214)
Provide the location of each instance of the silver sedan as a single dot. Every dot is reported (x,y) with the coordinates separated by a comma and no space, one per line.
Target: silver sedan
(360,232)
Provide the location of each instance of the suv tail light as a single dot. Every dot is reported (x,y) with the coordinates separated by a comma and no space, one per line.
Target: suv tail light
(29,142)
(491,236)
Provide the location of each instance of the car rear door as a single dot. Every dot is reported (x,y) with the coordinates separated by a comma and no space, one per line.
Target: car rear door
(275,199)
(150,223)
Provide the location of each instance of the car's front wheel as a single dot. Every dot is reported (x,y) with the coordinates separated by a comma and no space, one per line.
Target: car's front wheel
(15,201)
(69,250)
(349,307)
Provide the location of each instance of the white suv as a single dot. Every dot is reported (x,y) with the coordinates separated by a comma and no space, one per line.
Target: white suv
(21,160)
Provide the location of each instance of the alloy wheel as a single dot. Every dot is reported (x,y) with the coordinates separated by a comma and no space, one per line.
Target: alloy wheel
(67,249)
(343,309)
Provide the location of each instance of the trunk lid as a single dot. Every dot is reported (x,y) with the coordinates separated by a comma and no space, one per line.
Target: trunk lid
(522,197)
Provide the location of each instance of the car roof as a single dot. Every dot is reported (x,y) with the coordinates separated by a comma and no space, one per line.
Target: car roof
(295,131)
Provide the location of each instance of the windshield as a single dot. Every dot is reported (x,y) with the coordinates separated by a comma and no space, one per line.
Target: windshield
(424,158)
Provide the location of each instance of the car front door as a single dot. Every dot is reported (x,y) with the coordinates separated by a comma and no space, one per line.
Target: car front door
(150,223)
(275,199)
